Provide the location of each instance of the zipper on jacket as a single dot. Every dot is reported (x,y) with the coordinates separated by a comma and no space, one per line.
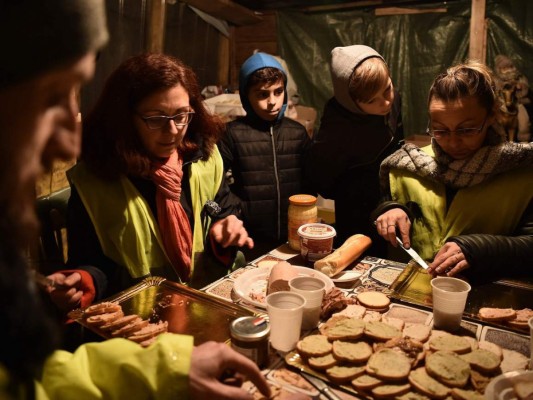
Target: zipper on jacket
(277,178)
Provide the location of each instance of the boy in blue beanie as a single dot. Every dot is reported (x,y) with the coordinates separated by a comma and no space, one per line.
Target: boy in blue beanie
(265,152)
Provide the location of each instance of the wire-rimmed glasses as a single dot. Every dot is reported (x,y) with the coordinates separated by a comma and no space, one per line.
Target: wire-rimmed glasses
(461,132)
(160,121)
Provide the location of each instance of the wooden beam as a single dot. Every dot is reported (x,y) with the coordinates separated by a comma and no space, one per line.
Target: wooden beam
(223,61)
(343,6)
(402,11)
(477,31)
(156,26)
(226,10)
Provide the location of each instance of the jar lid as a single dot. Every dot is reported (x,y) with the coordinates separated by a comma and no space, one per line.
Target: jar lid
(249,329)
(302,200)
(316,231)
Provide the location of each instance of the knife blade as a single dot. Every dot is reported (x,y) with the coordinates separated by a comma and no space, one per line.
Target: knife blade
(413,254)
(321,386)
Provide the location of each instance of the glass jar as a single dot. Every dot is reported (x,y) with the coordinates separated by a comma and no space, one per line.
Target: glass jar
(302,210)
(249,336)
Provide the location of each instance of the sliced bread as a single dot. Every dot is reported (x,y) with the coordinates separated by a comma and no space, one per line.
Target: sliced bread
(482,360)
(366,382)
(346,329)
(461,394)
(357,353)
(373,300)
(389,365)
(418,332)
(390,391)
(352,311)
(453,343)
(381,331)
(496,314)
(448,368)
(314,346)
(396,322)
(322,363)
(341,374)
(486,345)
(427,385)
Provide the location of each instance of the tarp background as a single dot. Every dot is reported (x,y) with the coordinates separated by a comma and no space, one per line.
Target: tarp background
(417,47)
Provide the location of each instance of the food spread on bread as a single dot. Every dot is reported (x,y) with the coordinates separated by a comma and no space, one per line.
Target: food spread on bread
(387,359)
(507,316)
(108,317)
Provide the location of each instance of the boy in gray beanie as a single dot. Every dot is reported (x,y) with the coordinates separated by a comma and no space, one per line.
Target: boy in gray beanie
(361,125)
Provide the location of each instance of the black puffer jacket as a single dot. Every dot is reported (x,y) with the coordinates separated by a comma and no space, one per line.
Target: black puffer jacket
(266,162)
(343,164)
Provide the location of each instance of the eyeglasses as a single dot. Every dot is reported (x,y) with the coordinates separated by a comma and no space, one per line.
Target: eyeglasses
(461,132)
(160,121)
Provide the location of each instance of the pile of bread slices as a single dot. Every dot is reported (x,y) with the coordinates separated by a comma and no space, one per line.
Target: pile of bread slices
(108,317)
(517,319)
(390,358)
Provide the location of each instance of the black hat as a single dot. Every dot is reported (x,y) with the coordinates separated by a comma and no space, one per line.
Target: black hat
(37,35)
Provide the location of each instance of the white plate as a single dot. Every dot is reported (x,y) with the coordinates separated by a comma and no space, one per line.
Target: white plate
(346,276)
(501,387)
(255,282)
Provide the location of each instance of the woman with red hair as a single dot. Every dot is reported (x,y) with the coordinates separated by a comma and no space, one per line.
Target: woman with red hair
(149,195)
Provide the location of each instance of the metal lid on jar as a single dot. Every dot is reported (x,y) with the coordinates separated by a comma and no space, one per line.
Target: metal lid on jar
(302,200)
(250,329)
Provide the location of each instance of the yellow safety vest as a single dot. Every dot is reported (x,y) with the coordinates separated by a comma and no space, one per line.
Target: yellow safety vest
(492,207)
(126,228)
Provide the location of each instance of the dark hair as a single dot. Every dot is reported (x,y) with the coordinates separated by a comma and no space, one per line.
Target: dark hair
(268,75)
(367,79)
(111,144)
(464,80)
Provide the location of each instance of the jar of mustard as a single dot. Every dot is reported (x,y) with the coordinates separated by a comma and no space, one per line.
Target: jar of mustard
(302,210)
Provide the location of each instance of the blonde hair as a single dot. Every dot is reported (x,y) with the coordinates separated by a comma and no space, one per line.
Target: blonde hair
(367,79)
(463,80)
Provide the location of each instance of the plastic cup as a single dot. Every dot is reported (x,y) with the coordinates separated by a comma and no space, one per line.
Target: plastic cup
(449,300)
(285,311)
(312,289)
(530,323)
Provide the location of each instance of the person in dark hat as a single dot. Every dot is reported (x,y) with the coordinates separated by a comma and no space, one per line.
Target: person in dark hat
(50,48)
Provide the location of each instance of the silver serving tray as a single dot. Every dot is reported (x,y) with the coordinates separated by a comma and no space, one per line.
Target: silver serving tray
(187,311)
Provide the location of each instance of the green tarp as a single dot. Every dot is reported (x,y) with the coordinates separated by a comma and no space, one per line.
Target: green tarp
(417,47)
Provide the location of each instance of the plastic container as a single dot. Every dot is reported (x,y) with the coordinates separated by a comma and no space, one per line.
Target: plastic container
(249,336)
(302,210)
(316,241)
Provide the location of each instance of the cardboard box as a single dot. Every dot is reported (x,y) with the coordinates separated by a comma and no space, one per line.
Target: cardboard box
(305,116)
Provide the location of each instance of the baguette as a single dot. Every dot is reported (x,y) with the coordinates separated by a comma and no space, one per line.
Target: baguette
(350,251)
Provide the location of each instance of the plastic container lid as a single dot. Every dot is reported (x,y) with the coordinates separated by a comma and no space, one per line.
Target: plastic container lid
(302,200)
(316,231)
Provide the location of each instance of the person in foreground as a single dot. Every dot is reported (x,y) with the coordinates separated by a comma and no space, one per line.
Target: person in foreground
(265,152)
(360,126)
(467,199)
(149,195)
(38,122)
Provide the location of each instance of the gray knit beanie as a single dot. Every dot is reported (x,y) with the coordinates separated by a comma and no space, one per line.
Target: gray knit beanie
(37,35)
(343,62)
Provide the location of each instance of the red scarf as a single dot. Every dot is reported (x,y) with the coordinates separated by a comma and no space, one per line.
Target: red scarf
(173,222)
